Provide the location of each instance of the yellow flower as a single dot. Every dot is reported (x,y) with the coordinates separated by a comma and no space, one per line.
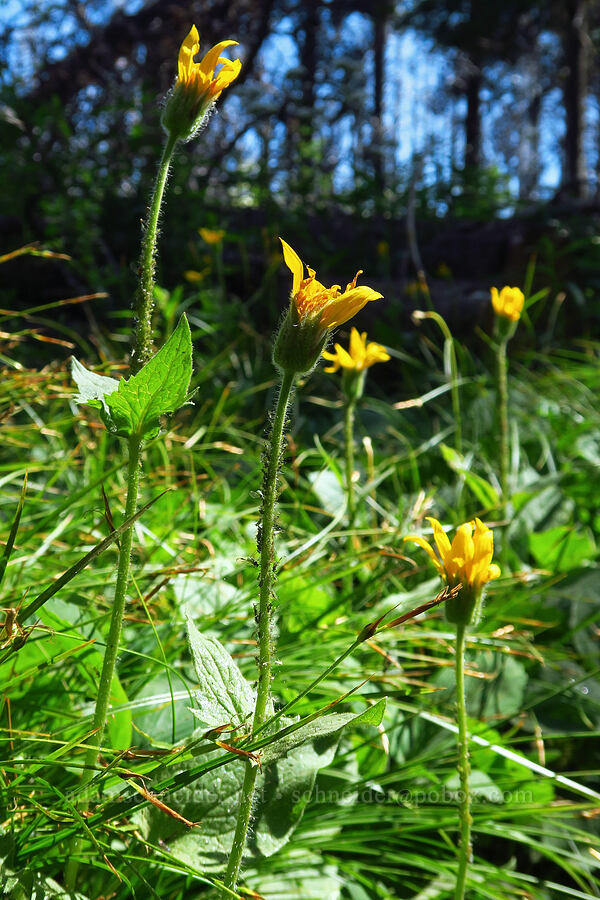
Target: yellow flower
(211,236)
(197,86)
(508,303)
(200,77)
(467,561)
(314,310)
(327,307)
(359,356)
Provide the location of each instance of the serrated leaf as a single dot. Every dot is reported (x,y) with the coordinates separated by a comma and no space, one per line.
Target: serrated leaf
(92,388)
(224,694)
(158,389)
(290,766)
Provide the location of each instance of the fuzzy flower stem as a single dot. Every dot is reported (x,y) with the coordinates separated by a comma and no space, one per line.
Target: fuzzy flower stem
(144,301)
(266,581)
(465,847)
(349,452)
(503,422)
(349,447)
(112,645)
(142,350)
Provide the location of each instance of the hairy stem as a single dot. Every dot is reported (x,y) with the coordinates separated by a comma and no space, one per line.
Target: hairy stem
(503,423)
(142,349)
(266,581)
(465,848)
(144,301)
(112,643)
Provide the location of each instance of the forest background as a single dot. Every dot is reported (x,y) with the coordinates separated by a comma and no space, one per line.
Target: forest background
(349,122)
(444,147)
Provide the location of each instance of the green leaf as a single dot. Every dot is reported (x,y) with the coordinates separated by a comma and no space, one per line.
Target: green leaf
(224,695)
(161,387)
(290,766)
(562,548)
(307,879)
(320,727)
(92,388)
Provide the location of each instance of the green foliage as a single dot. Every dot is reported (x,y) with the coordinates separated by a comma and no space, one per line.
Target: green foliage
(344,810)
(134,406)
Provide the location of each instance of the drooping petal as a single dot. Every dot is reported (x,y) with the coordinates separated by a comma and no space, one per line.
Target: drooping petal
(426,546)
(342,308)
(375,353)
(210,59)
(294,264)
(228,73)
(493,572)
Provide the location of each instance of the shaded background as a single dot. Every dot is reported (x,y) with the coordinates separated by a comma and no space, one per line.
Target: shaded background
(477,122)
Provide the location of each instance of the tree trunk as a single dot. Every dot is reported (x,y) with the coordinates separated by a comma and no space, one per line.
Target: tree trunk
(529,162)
(473,119)
(574,92)
(380,27)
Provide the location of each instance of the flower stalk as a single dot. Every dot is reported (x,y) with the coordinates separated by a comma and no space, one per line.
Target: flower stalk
(508,306)
(144,301)
(266,581)
(464,768)
(466,564)
(142,350)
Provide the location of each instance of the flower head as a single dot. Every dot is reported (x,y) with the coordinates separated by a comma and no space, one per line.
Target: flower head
(314,311)
(197,86)
(359,356)
(328,307)
(467,561)
(211,235)
(508,302)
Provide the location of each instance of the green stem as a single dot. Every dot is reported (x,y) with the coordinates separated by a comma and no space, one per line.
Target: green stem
(112,643)
(349,448)
(144,301)
(465,848)
(349,453)
(142,349)
(503,421)
(266,581)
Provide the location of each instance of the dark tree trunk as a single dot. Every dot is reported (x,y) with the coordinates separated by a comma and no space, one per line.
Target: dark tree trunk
(574,92)
(380,27)
(308,61)
(529,162)
(473,119)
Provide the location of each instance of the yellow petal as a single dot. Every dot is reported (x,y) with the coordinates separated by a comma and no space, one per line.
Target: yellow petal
(344,358)
(347,305)
(187,51)
(210,59)
(426,546)
(230,71)
(440,537)
(294,264)
(357,345)
(493,572)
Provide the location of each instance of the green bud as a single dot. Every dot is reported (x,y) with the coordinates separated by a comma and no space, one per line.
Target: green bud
(298,345)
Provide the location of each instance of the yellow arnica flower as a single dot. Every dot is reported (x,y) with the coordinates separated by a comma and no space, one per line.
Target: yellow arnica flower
(467,560)
(200,78)
(197,86)
(326,307)
(508,302)
(359,356)
(211,236)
